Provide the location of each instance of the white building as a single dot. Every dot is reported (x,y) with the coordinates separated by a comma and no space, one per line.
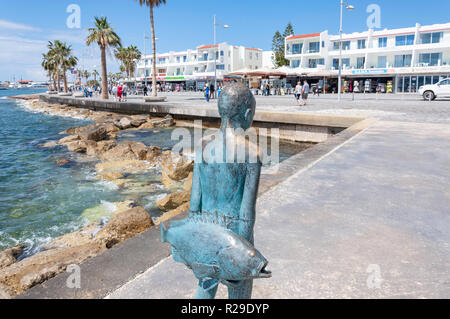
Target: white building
(407,58)
(194,68)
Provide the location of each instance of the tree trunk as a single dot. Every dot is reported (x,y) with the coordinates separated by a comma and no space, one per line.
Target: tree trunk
(104,74)
(65,78)
(58,80)
(155,93)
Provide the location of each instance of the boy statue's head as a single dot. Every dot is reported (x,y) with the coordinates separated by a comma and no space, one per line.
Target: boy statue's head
(237,106)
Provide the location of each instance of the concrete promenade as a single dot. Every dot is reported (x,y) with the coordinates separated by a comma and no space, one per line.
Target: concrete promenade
(370,219)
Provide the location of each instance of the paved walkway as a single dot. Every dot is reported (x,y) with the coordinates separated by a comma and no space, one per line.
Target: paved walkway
(388,107)
(374,212)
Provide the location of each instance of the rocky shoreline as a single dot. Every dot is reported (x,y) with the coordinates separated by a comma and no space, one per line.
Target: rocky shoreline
(117,161)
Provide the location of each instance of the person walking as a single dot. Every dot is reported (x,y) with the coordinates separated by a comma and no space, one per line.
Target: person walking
(119,92)
(145,91)
(305,92)
(207,93)
(298,93)
(212,89)
(124,92)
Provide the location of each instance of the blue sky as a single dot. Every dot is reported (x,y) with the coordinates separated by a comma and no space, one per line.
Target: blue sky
(26,26)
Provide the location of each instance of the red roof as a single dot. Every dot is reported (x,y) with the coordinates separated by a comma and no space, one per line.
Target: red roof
(207,46)
(304,36)
(253,49)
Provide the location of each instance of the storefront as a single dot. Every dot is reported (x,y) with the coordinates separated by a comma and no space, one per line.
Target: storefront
(412,83)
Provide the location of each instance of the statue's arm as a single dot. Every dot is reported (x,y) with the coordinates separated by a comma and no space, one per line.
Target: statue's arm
(248,206)
(196,193)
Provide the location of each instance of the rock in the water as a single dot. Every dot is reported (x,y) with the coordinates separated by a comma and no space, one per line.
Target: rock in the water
(50,144)
(111,128)
(63,162)
(168,121)
(69,139)
(125,151)
(147,126)
(125,123)
(96,134)
(153,153)
(130,166)
(140,150)
(176,167)
(9,256)
(138,123)
(173,201)
(110,176)
(36,269)
(124,226)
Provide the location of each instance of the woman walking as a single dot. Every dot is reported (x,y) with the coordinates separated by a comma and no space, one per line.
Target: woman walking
(298,93)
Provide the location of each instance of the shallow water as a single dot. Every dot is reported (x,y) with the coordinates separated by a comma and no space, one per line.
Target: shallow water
(38,199)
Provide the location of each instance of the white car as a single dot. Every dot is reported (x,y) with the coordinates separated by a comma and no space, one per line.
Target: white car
(440,89)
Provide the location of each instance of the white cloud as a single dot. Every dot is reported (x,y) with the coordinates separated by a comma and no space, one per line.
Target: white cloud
(8,25)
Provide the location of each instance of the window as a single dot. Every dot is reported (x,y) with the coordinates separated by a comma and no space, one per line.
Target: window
(314,62)
(360,62)
(222,53)
(297,48)
(403,40)
(184,58)
(361,44)
(314,47)
(430,59)
(178,59)
(445,82)
(427,38)
(295,63)
(220,66)
(345,62)
(346,45)
(403,60)
(382,61)
(251,55)
(382,42)
(205,56)
(229,54)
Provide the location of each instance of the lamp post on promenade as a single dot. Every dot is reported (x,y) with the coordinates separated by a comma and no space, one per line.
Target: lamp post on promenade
(145,59)
(348,7)
(215,53)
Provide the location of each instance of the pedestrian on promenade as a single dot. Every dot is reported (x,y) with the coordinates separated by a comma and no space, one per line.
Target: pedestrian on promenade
(119,92)
(207,93)
(212,89)
(124,92)
(145,91)
(219,91)
(298,92)
(305,92)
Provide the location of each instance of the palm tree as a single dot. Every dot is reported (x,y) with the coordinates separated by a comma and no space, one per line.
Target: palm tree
(49,65)
(152,4)
(105,37)
(62,53)
(86,75)
(95,74)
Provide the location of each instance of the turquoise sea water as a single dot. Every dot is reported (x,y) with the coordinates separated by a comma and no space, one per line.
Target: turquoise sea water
(40,200)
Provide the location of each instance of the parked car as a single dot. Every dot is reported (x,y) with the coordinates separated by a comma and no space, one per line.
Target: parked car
(440,89)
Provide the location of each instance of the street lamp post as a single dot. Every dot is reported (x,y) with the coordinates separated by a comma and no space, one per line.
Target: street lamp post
(145,60)
(215,53)
(348,7)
